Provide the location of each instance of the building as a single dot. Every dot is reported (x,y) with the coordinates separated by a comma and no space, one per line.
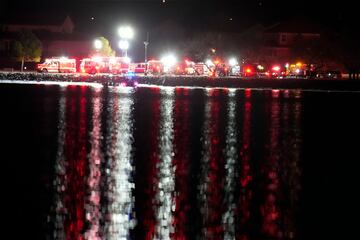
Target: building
(281,38)
(55,31)
(52,23)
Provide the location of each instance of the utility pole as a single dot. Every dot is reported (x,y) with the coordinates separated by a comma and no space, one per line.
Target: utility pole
(146,43)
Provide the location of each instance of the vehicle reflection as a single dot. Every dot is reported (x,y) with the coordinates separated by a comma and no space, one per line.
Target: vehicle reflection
(126,167)
(71,165)
(212,167)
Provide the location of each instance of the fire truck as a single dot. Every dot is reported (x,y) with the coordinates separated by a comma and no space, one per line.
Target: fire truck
(57,65)
(202,69)
(138,68)
(220,68)
(155,67)
(185,67)
(113,65)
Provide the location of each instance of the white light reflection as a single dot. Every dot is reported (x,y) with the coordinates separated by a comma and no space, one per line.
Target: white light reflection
(120,169)
(166,172)
(204,180)
(93,207)
(60,171)
(60,83)
(228,217)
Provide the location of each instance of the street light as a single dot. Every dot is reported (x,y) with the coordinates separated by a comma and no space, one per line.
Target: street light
(126,32)
(124,46)
(98,44)
(233,62)
(168,61)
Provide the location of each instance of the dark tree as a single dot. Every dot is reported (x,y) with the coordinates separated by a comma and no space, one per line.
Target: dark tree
(27,47)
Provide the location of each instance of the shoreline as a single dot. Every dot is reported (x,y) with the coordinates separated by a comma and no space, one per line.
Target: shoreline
(190,81)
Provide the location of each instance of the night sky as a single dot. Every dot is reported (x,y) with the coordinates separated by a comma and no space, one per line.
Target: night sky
(209,14)
(103,17)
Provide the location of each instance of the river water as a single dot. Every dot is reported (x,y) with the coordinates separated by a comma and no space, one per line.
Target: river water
(92,162)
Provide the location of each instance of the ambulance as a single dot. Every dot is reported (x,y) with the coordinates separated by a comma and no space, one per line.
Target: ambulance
(57,65)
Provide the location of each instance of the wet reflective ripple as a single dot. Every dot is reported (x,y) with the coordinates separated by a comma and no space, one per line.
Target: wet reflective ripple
(174,163)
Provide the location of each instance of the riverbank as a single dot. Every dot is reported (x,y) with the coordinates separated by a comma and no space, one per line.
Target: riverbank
(190,81)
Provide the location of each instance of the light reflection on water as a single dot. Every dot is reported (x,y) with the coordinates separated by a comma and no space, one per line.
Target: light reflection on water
(165,204)
(212,167)
(237,194)
(230,162)
(60,171)
(93,207)
(119,166)
(70,176)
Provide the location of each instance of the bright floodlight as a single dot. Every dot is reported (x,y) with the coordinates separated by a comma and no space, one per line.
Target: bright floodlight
(124,45)
(209,62)
(126,32)
(98,44)
(168,60)
(233,62)
(127,60)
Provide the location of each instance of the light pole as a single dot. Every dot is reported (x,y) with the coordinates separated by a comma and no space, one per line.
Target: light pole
(146,43)
(124,46)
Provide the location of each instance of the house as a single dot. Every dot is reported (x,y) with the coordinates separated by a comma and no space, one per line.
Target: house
(55,31)
(35,22)
(279,39)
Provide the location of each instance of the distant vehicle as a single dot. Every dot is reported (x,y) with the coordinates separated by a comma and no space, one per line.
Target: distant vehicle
(185,68)
(57,65)
(138,68)
(113,65)
(222,70)
(155,67)
(87,65)
(252,70)
(329,74)
(235,70)
(276,71)
(202,69)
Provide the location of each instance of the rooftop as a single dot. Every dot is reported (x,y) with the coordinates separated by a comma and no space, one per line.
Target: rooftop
(294,26)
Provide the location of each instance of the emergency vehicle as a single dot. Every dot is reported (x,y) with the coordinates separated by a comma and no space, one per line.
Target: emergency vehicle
(219,68)
(202,69)
(57,65)
(185,68)
(155,67)
(277,71)
(254,70)
(138,68)
(296,70)
(113,65)
(302,70)
(222,70)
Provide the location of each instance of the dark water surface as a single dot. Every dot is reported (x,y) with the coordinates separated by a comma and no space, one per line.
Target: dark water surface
(82,162)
